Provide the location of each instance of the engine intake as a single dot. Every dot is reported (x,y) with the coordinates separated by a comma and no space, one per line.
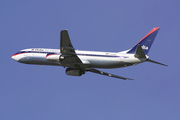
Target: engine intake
(52,57)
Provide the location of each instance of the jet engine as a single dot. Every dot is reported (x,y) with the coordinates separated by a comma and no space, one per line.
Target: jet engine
(74,72)
(54,57)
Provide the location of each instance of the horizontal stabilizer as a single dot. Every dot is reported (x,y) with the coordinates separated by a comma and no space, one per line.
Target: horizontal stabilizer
(156,62)
(139,52)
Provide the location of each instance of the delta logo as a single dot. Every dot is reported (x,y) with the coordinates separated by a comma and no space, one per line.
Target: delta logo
(144,47)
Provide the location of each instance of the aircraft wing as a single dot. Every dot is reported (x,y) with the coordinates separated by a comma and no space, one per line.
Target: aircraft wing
(66,47)
(69,57)
(108,74)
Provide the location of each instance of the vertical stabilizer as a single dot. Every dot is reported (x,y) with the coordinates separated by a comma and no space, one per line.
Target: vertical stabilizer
(146,42)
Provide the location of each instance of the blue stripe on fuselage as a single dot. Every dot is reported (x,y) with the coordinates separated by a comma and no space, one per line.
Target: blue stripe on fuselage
(95,55)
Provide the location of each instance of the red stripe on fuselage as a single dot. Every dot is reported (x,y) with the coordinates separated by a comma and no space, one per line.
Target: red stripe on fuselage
(50,55)
(16,54)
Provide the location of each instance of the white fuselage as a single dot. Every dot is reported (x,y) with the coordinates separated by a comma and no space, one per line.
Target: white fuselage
(77,62)
(93,58)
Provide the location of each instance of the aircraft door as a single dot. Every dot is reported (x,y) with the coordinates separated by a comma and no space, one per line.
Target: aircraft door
(121,58)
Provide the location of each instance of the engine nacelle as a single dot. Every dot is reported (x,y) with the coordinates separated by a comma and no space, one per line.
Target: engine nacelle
(52,57)
(74,72)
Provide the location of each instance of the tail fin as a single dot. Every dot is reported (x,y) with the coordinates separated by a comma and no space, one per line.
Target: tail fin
(146,42)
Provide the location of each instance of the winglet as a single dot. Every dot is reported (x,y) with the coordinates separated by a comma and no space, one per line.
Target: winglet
(146,41)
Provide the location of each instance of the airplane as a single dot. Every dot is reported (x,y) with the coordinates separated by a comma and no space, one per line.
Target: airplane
(78,62)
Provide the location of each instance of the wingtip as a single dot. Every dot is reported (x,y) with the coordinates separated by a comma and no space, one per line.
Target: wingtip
(156,28)
(130,79)
(64,30)
(149,60)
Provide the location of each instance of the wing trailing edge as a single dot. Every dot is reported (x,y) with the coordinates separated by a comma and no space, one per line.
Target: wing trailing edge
(108,74)
(152,61)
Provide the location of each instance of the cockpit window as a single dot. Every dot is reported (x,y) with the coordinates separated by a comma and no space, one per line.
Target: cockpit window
(20,52)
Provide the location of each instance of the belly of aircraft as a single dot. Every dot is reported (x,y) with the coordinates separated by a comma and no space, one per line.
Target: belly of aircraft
(106,63)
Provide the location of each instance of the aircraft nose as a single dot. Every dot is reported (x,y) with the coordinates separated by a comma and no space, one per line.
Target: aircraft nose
(14,57)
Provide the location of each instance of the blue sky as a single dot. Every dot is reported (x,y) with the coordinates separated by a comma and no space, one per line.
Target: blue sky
(46,92)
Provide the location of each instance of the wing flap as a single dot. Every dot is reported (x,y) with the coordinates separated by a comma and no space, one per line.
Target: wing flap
(108,74)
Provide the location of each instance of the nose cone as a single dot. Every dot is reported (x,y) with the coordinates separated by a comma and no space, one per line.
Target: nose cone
(14,57)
